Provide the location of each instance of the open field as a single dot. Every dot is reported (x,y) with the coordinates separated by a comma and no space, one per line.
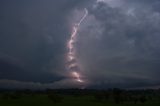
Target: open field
(76,98)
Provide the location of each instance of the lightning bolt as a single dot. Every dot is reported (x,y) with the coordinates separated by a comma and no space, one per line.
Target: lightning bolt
(71,55)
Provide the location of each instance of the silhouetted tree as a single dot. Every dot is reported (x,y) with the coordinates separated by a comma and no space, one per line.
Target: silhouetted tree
(11,95)
(106,95)
(135,99)
(117,95)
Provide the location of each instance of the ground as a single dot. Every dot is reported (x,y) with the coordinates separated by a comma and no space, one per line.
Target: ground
(68,100)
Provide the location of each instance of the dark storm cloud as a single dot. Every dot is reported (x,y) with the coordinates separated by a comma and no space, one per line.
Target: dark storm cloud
(33,34)
(117,46)
(126,45)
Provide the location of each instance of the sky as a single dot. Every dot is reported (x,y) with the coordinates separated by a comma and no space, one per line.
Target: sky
(117,44)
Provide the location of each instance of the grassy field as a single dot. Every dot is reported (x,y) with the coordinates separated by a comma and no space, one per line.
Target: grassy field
(43,100)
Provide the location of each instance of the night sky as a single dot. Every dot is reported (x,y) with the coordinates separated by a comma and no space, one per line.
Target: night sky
(117,45)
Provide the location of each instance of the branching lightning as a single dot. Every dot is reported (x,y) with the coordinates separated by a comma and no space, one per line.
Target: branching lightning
(71,55)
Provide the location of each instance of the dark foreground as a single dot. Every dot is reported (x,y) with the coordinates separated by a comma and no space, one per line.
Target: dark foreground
(76,97)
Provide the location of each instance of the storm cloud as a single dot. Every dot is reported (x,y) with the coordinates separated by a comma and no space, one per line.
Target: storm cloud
(117,45)
(120,45)
(33,36)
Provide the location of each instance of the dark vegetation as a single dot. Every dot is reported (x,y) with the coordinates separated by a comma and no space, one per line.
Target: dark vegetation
(79,97)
